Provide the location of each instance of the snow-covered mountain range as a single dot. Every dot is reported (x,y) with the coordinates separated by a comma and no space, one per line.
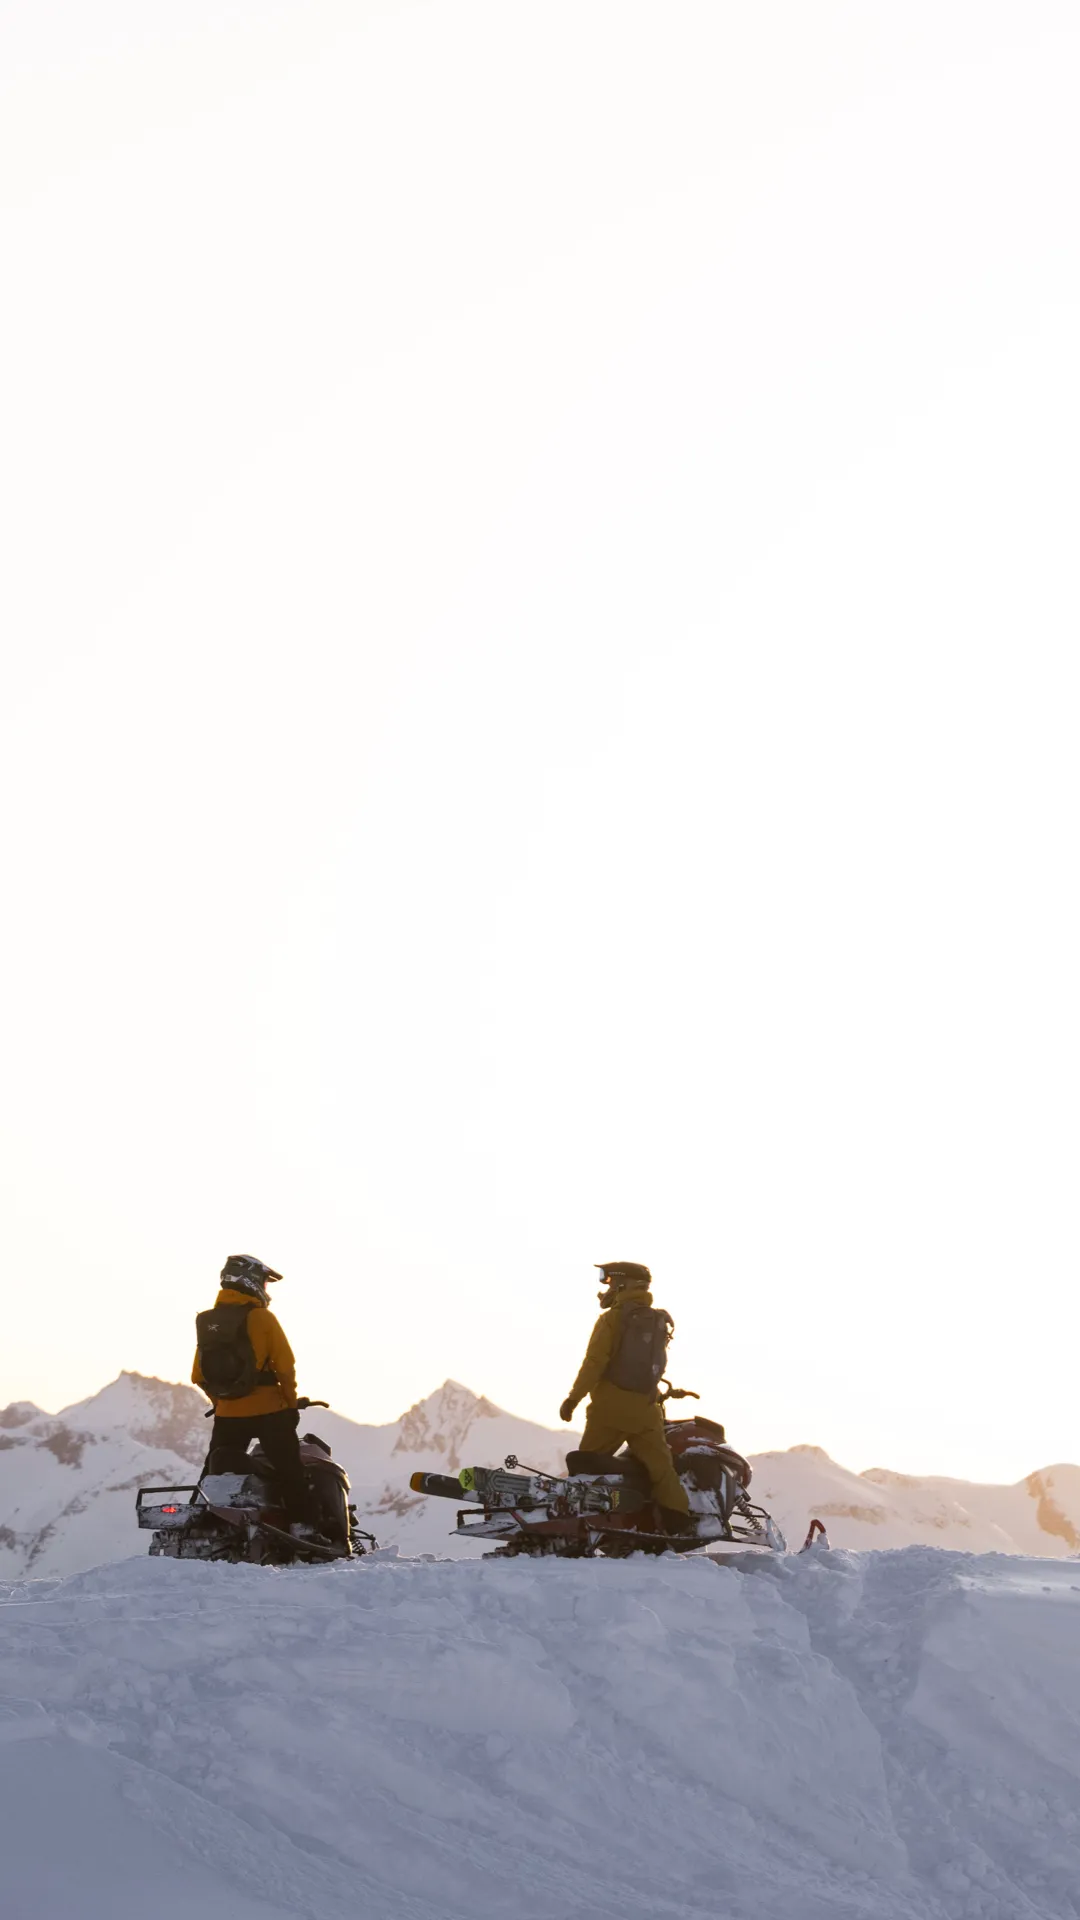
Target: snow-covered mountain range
(68,1480)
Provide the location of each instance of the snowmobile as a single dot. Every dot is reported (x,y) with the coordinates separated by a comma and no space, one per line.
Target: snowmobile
(234,1511)
(604,1504)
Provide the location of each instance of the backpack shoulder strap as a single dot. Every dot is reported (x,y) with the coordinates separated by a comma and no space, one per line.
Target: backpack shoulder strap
(265,1375)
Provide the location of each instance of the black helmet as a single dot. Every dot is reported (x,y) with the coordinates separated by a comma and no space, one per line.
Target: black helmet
(619,1274)
(248,1275)
(625,1273)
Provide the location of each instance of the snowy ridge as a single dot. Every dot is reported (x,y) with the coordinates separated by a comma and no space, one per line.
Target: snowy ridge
(1039,1515)
(887,1736)
(67,1481)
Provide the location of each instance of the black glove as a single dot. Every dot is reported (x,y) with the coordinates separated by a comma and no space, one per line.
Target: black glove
(566,1411)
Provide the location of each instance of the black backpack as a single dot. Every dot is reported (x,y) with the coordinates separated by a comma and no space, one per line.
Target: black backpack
(226,1355)
(640,1358)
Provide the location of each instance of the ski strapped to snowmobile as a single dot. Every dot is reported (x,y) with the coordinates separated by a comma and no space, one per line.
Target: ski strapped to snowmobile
(604,1505)
(234,1511)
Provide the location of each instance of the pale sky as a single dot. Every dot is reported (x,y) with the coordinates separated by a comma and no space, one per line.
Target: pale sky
(539,607)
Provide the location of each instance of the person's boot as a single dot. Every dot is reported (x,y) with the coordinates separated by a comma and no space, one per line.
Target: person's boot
(675,1522)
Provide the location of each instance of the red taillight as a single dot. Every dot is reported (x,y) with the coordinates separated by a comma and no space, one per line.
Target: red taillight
(170,1509)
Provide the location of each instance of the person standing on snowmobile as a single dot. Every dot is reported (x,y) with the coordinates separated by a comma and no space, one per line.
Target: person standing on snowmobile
(245,1366)
(621,1373)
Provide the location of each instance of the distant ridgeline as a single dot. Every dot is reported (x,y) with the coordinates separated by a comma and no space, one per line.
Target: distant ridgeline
(68,1480)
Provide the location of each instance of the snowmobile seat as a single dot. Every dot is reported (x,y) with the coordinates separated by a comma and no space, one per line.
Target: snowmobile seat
(624,1464)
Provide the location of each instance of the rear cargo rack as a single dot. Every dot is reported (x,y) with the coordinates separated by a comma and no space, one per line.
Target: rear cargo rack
(152,1503)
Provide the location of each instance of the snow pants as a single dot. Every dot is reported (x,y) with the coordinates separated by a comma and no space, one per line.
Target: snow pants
(277,1436)
(615,1416)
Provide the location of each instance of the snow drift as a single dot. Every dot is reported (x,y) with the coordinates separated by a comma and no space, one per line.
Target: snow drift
(890,1736)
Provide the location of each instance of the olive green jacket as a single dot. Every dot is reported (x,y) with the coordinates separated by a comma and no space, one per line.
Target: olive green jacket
(604,1341)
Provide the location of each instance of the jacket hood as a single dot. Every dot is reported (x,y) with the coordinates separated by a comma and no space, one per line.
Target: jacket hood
(233,1297)
(631,1297)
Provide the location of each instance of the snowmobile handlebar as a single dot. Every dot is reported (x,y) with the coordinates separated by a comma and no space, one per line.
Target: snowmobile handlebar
(302,1406)
(677,1393)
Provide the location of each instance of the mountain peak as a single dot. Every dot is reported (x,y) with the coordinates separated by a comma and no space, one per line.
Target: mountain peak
(18,1413)
(160,1413)
(441,1423)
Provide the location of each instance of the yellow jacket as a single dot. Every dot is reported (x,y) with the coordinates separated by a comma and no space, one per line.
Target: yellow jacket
(602,1344)
(271,1350)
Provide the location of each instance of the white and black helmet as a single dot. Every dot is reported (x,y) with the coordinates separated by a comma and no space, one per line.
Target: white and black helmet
(248,1275)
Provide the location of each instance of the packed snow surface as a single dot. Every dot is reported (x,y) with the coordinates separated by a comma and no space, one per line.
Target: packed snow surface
(886,1736)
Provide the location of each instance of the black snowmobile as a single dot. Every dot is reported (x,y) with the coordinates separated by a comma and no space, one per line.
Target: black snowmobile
(234,1512)
(604,1504)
